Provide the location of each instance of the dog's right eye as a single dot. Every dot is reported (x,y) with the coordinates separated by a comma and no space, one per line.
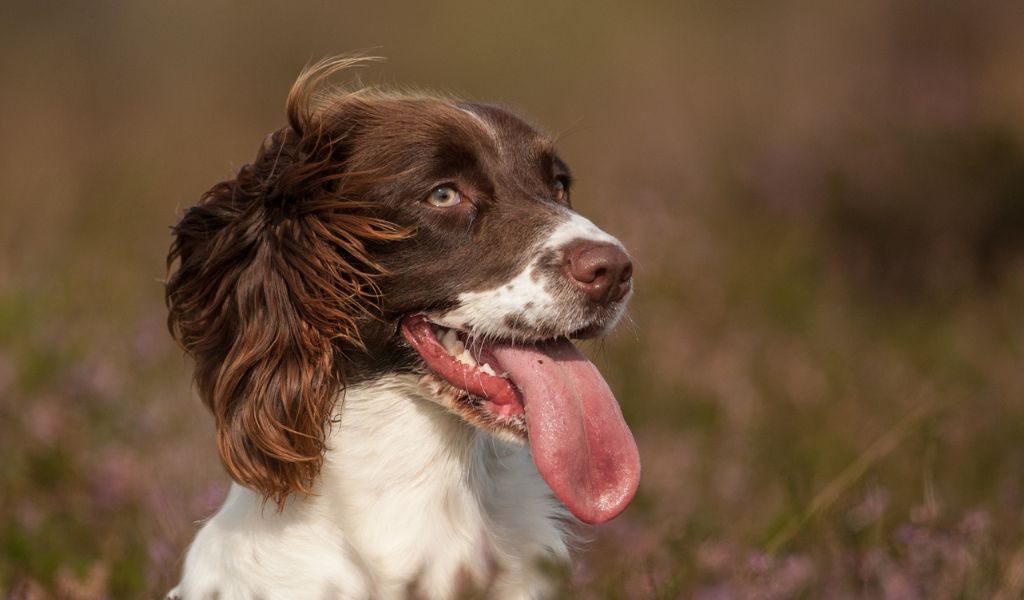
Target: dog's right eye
(444,196)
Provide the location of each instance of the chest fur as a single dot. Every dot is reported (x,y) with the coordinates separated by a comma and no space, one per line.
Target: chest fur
(433,503)
(412,502)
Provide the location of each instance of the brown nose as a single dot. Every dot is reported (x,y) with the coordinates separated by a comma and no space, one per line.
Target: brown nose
(601,270)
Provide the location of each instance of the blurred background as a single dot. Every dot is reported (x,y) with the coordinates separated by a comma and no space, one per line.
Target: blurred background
(823,365)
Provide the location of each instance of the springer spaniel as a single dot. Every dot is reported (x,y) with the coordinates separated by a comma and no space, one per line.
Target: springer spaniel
(379,309)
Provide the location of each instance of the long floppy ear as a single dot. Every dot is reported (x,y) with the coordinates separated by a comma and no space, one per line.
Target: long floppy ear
(272,276)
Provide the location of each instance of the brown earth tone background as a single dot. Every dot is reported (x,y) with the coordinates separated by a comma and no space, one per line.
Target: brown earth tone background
(823,362)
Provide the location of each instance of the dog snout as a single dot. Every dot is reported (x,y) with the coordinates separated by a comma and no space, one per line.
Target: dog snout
(601,270)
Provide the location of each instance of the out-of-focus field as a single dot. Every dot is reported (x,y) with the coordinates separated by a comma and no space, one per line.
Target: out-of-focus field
(823,362)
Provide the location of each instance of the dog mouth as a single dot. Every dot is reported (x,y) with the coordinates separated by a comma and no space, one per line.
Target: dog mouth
(550,394)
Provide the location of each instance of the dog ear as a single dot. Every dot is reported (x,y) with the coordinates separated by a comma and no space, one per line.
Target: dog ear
(268,276)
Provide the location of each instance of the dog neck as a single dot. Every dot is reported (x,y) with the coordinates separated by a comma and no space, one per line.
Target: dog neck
(406,478)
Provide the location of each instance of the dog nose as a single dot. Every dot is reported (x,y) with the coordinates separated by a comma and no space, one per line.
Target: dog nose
(601,270)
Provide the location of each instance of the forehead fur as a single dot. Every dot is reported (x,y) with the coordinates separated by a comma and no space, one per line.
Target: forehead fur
(402,121)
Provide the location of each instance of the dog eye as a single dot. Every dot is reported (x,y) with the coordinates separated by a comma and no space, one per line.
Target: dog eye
(561,186)
(444,196)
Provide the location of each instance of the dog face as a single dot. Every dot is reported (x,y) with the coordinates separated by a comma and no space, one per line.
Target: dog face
(381,234)
(488,199)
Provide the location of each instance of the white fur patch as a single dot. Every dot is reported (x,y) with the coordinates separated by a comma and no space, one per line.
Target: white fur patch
(526,297)
(411,499)
(579,227)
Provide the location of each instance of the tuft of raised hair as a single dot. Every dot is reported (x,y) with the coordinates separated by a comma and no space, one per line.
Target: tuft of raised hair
(268,277)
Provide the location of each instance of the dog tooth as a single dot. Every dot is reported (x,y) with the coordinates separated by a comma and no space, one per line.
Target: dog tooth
(448,340)
(486,368)
(466,358)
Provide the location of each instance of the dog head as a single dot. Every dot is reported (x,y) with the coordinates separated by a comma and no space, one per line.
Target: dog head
(384,233)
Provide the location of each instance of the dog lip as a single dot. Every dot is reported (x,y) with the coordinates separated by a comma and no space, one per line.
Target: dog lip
(490,392)
(501,394)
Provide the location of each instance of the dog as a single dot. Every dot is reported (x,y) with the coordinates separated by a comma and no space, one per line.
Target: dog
(380,310)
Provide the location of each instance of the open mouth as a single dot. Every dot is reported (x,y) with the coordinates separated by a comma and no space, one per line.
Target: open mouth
(551,394)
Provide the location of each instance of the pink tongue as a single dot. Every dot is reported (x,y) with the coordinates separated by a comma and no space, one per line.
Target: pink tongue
(580,443)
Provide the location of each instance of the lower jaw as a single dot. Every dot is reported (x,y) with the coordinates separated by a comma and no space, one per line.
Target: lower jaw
(476,411)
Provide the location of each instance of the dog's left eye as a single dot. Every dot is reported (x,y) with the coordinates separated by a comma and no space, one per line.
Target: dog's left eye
(561,186)
(444,196)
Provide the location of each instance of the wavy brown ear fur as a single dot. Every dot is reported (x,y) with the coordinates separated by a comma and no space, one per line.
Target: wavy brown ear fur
(271,276)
